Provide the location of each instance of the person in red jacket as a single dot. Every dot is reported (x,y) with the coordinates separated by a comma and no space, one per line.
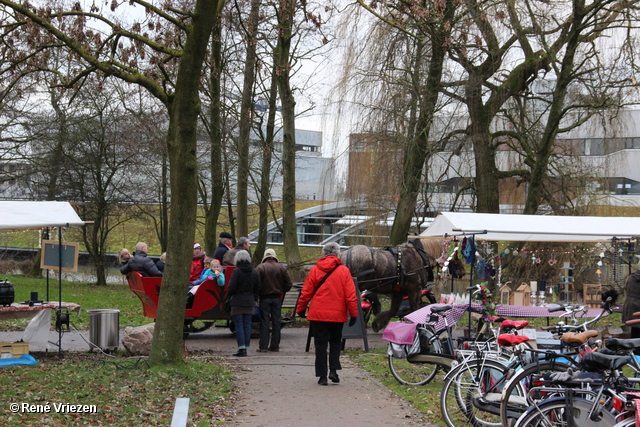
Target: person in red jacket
(197,264)
(331,292)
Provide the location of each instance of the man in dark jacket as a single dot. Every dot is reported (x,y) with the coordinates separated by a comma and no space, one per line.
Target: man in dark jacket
(274,283)
(243,244)
(141,263)
(225,242)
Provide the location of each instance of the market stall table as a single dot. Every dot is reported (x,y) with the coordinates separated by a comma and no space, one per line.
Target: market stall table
(26,311)
(37,331)
(458,311)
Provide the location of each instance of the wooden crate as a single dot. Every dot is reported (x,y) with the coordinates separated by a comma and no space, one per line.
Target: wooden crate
(13,349)
(592,296)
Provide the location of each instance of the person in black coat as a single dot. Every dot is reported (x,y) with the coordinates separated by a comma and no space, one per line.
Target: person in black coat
(160,263)
(141,263)
(632,301)
(243,293)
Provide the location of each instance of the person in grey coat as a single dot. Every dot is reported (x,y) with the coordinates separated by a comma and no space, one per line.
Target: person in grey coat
(141,263)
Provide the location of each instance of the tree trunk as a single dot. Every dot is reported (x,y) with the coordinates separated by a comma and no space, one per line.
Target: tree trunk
(283,50)
(265,174)
(217,145)
(246,119)
(164,205)
(417,151)
(486,180)
(184,108)
(539,171)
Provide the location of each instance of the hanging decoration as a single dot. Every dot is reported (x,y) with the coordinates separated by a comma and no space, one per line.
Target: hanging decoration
(469,250)
(488,306)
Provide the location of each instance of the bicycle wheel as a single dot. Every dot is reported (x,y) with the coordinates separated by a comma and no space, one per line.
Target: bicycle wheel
(412,373)
(555,413)
(408,371)
(471,394)
(517,389)
(630,422)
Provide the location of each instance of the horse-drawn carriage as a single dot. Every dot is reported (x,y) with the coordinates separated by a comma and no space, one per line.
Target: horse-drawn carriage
(207,306)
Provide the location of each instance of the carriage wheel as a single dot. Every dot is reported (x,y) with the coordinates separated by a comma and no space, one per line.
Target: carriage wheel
(195,325)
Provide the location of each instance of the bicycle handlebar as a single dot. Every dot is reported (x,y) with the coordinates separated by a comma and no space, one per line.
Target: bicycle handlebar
(558,308)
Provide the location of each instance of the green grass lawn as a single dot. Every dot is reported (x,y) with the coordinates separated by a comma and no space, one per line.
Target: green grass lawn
(123,392)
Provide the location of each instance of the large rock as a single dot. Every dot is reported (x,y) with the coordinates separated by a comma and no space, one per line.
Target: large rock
(137,340)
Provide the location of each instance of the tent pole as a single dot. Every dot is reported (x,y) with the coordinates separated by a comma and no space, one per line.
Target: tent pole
(473,267)
(59,289)
(46,237)
(455,244)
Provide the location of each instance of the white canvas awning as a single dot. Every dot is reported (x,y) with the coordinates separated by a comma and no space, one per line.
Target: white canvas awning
(533,228)
(16,215)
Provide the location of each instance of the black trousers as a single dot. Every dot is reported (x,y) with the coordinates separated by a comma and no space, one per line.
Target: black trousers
(327,334)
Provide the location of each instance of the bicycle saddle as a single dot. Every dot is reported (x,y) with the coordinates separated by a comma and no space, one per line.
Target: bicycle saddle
(441,308)
(595,361)
(571,338)
(508,325)
(617,344)
(507,340)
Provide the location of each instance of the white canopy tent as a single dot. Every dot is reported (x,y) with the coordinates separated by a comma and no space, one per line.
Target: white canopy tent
(21,214)
(533,228)
(16,215)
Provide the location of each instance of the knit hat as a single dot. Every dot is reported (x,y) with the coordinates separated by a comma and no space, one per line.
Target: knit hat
(196,245)
(269,253)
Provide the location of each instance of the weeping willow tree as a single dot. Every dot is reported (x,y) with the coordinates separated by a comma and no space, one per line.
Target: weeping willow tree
(395,83)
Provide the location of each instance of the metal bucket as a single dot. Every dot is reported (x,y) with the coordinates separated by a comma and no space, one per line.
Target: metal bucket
(104,328)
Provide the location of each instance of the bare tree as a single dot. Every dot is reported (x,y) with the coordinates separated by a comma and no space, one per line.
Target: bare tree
(135,54)
(503,51)
(408,53)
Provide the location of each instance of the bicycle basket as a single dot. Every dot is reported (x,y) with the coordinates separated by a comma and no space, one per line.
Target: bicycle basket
(402,351)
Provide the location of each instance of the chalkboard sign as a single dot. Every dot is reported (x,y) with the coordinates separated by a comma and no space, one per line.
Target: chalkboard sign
(359,329)
(51,256)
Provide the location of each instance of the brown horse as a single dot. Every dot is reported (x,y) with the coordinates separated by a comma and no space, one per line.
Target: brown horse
(398,271)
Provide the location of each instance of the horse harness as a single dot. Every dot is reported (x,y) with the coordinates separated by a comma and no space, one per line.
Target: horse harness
(401,274)
(396,252)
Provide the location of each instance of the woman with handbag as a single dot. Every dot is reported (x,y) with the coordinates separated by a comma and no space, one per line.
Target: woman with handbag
(329,292)
(243,292)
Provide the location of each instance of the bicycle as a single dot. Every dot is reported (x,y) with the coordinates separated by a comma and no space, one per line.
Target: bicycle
(513,401)
(473,394)
(580,400)
(439,351)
